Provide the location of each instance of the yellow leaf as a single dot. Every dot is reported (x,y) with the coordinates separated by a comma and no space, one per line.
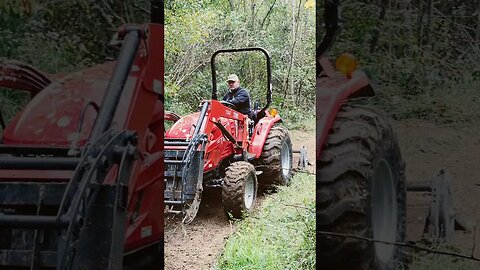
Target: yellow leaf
(310,4)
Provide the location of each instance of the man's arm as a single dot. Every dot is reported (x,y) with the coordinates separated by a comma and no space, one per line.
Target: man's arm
(241,98)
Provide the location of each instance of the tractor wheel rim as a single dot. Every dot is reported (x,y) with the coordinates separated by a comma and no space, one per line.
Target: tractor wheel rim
(384,211)
(286,160)
(249,191)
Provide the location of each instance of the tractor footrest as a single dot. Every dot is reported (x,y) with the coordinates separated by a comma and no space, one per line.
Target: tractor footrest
(214,183)
(173,202)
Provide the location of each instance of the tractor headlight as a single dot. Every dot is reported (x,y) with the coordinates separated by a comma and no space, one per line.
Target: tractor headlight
(346,63)
(273,112)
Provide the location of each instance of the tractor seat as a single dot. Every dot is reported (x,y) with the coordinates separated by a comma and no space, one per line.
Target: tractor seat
(256,115)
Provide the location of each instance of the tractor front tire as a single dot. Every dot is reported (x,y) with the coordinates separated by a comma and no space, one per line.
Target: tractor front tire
(275,161)
(239,190)
(360,191)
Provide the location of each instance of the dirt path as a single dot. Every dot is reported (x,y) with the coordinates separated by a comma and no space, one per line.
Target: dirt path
(198,245)
(427,148)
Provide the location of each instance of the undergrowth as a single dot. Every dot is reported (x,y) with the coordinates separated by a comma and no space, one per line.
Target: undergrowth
(440,262)
(280,235)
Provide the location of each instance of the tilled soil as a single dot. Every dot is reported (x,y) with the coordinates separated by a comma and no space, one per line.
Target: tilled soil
(198,244)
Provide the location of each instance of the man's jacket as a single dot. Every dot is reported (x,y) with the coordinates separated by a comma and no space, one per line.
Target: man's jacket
(240,98)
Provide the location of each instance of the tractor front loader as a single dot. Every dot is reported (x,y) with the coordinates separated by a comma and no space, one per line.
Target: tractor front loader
(361,187)
(80,166)
(220,147)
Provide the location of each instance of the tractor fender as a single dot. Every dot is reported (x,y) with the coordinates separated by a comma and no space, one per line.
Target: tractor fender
(260,133)
(332,92)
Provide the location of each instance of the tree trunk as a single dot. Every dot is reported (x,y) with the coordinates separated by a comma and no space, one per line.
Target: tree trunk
(376,32)
(268,14)
(252,9)
(292,52)
(430,23)
(421,12)
(477,31)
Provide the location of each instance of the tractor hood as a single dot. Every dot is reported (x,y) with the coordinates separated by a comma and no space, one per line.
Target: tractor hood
(53,116)
(183,128)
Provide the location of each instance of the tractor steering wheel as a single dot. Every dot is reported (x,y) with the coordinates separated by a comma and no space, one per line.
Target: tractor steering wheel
(228,104)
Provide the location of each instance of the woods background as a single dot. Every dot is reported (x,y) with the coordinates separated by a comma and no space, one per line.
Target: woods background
(285,28)
(423,55)
(65,36)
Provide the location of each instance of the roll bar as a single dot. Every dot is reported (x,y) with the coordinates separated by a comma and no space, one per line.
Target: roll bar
(269,71)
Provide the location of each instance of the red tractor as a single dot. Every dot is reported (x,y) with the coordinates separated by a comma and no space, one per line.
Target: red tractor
(220,147)
(361,187)
(81,168)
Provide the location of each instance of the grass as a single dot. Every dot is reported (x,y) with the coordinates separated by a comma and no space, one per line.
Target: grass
(439,262)
(307,124)
(280,235)
(457,103)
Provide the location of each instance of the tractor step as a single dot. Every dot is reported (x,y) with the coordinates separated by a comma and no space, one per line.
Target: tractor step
(214,183)
(173,202)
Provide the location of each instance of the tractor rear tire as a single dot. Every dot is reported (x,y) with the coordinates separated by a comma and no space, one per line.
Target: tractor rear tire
(276,158)
(239,190)
(360,191)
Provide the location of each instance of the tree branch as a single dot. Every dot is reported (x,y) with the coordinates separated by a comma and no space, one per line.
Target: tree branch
(407,245)
(268,14)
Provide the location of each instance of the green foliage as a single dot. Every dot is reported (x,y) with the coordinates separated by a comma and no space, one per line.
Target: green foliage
(281,235)
(422,65)
(439,262)
(196,29)
(61,36)
(77,32)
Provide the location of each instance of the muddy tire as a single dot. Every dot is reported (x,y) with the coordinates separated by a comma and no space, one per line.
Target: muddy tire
(239,190)
(360,191)
(276,158)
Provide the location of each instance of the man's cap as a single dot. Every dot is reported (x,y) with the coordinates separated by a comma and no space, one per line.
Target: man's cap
(232,77)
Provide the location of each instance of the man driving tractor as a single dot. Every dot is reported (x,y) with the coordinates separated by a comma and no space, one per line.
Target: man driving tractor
(237,95)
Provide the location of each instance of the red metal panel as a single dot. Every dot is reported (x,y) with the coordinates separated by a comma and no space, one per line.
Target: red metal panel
(142,104)
(52,117)
(332,91)
(218,148)
(261,132)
